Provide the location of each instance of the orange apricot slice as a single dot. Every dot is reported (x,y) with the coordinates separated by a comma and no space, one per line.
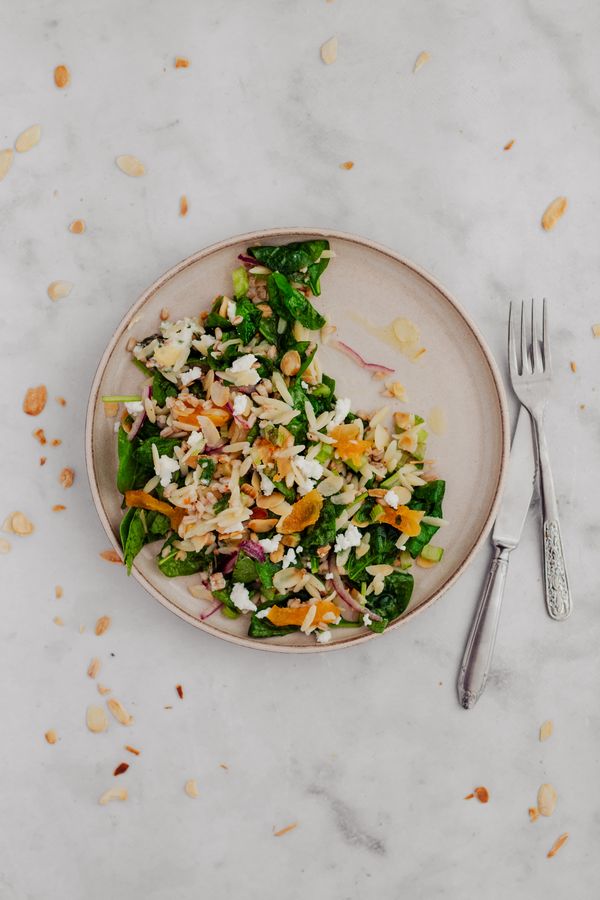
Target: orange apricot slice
(303,513)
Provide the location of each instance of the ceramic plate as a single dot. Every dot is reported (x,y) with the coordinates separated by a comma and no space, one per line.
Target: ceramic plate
(365,285)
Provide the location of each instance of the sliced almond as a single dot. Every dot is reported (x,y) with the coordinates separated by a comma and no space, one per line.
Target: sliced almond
(420,61)
(119,711)
(191,788)
(57,290)
(20,524)
(546,729)
(113,793)
(96,720)
(94,667)
(558,843)
(6,159)
(61,401)
(533,813)
(35,400)
(58,507)
(102,625)
(28,139)
(546,799)
(51,736)
(554,212)
(103,690)
(58,591)
(285,830)
(62,77)
(4,545)
(347,165)
(77,226)
(131,165)
(182,62)
(596,330)
(58,620)
(66,477)
(329,51)
(510,144)
(40,435)
(111,556)
(132,750)
(261,526)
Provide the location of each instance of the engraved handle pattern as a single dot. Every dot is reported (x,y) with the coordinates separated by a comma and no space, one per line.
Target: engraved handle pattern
(558,596)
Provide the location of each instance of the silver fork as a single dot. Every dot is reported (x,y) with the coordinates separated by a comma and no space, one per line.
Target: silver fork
(531,375)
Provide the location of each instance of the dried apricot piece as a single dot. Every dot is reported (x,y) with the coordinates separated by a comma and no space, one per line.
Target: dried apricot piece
(404,519)
(348,446)
(286,615)
(142,500)
(303,513)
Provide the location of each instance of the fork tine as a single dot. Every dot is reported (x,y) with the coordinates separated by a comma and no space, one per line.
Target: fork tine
(525,361)
(538,362)
(513,364)
(546,340)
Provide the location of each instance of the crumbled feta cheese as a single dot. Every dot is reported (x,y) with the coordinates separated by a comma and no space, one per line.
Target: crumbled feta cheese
(231,310)
(195,438)
(288,559)
(165,467)
(243,363)
(323,637)
(328,576)
(304,385)
(240,403)
(391,498)
(263,613)
(299,549)
(309,467)
(351,538)
(367,620)
(270,544)
(266,485)
(241,598)
(135,407)
(342,408)
(191,375)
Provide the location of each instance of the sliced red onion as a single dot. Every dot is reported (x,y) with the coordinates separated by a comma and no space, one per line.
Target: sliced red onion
(212,450)
(248,260)
(209,612)
(253,549)
(372,367)
(345,594)
(243,423)
(230,564)
(139,419)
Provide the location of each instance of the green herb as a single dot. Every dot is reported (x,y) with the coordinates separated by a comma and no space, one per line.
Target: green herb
(291,304)
(300,259)
(241,282)
(221,504)
(251,317)
(229,608)
(172,567)
(427,497)
(139,528)
(268,329)
(382,551)
(207,466)
(393,600)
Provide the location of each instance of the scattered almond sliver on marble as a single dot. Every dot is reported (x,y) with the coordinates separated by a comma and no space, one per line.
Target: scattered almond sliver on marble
(102,625)
(121,768)
(285,830)
(329,51)
(102,689)
(96,719)
(546,800)
(510,144)
(58,620)
(5,545)
(55,442)
(35,400)
(119,711)
(58,290)
(62,77)
(132,750)
(131,165)
(347,165)
(40,435)
(191,788)
(596,330)
(28,139)
(20,524)
(111,556)
(558,843)
(182,62)
(58,507)
(94,667)
(6,159)
(546,729)
(534,813)
(61,401)
(573,366)
(420,61)
(113,793)
(58,591)
(554,212)
(66,477)
(77,226)
(179,689)
(42,460)
(183,205)
(51,736)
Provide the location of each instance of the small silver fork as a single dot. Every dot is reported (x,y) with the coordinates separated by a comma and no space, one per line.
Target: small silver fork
(531,375)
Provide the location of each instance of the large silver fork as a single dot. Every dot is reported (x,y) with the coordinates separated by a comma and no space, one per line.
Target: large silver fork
(531,374)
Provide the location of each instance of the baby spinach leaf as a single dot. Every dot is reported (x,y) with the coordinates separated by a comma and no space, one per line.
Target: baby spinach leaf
(224,595)
(162,388)
(244,570)
(382,551)
(143,451)
(157,524)
(139,528)
(172,567)
(221,504)
(263,628)
(323,531)
(268,329)
(251,317)
(291,303)
(124,526)
(393,600)
(128,466)
(427,497)
(291,259)
(135,539)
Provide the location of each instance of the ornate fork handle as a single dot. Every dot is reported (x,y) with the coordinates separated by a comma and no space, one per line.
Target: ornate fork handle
(556,582)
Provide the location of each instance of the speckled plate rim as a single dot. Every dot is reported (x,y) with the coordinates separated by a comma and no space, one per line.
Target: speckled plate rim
(254,237)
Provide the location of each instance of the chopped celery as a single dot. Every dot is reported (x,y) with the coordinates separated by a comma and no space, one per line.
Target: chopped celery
(121,398)
(376,512)
(433,554)
(325,453)
(422,435)
(230,613)
(405,560)
(391,480)
(241,282)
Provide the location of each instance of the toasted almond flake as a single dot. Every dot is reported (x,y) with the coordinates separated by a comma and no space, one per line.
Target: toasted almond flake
(4,545)
(437,420)
(61,401)
(546,729)
(132,750)
(111,408)
(131,165)
(102,625)
(55,442)
(35,400)
(57,290)
(77,226)
(546,799)
(223,766)
(121,768)
(596,330)
(119,711)
(95,719)
(329,51)
(6,158)
(66,477)
(285,830)
(554,212)
(510,144)
(20,524)
(94,667)
(51,736)
(58,507)
(420,61)
(111,556)
(58,591)
(182,62)
(533,813)
(164,314)
(558,843)
(42,460)
(62,77)
(347,165)
(102,689)
(179,689)
(57,620)
(113,793)
(7,524)
(482,794)
(183,205)
(28,139)
(191,788)
(573,366)
(40,435)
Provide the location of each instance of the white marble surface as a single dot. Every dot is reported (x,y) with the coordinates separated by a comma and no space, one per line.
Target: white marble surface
(366,749)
